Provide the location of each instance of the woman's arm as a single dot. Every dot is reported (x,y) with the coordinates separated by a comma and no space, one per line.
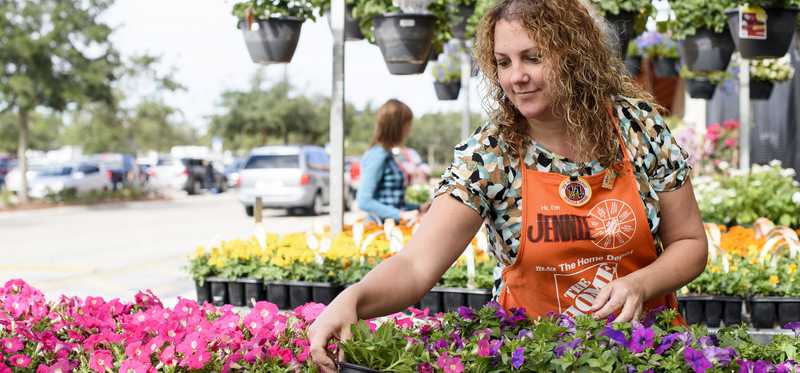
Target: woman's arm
(372,164)
(684,258)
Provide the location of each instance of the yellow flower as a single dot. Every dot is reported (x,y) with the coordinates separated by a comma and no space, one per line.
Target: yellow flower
(774,280)
(199,252)
(792,268)
(733,268)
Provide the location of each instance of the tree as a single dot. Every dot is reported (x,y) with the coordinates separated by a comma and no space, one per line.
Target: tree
(44,132)
(434,135)
(52,54)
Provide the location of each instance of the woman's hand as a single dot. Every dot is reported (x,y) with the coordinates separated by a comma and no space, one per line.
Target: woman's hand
(625,293)
(333,323)
(409,216)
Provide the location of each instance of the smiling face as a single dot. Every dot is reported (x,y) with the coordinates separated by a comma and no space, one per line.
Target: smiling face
(522,71)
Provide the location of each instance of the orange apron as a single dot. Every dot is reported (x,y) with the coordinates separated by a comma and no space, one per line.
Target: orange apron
(568,252)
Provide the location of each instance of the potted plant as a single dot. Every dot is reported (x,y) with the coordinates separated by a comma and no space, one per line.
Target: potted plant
(779,17)
(765,73)
(352,30)
(627,17)
(404,37)
(702,29)
(200,269)
(661,49)
(447,74)
(459,14)
(700,84)
(633,59)
(271,29)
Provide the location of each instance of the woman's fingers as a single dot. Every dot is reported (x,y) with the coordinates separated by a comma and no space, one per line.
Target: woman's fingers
(318,340)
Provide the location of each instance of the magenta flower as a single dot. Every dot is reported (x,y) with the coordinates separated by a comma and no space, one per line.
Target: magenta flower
(101,360)
(308,312)
(11,345)
(518,357)
(450,364)
(667,342)
(4,368)
(20,361)
(196,360)
(696,360)
(133,366)
(424,368)
(167,357)
(60,366)
(722,356)
(641,339)
(466,313)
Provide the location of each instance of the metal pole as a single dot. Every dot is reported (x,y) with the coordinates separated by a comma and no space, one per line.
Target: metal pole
(744,114)
(337,118)
(466,70)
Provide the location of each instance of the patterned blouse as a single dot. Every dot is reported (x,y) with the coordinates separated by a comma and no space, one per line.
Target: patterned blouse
(486,178)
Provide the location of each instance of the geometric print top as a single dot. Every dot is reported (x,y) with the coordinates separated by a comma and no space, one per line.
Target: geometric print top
(486,178)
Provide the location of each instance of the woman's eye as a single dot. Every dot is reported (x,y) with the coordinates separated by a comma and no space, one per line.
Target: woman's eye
(535,59)
(502,63)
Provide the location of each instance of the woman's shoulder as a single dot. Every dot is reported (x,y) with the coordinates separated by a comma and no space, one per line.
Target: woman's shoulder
(375,152)
(487,138)
(641,117)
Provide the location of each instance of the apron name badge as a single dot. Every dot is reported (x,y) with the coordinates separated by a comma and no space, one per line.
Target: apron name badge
(575,191)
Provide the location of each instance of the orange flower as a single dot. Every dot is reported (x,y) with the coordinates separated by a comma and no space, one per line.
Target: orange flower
(741,241)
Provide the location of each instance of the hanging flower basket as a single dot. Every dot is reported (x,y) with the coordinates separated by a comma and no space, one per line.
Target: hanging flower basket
(271,40)
(760,89)
(404,38)
(623,24)
(700,88)
(634,65)
(665,66)
(707,50)
(458,23)
(352,31)
(447,90)
(780,25)
(406,68)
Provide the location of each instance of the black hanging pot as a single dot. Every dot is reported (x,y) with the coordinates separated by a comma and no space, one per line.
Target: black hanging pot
(434,54)
(760,89)
(404,38)
(665,67)
(623,24)
(780,30)
(634,65)
(406,68)
(707,50)
(353,368)
(271,40)
(352,30)
(447,90)
(700,88)
(458,23)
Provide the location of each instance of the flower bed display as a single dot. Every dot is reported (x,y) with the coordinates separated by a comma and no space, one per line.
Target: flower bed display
(95,335)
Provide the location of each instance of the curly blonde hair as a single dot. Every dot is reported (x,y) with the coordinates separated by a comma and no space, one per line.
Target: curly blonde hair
(586,73)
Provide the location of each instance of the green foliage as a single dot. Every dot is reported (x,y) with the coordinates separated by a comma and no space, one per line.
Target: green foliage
(642,8)
(713,76)
(43,132)
(773,70)
(739,198)
(262,9)
(435,134)
(633,50)
(418,194)
(715,281)
(365,10)
(693,15)
(447,68)
(385,350)
(768,3)
(481,7)
(456,276)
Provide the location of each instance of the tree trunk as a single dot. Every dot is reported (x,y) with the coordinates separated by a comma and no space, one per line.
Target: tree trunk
(23,161)
(286,136)
(431,158)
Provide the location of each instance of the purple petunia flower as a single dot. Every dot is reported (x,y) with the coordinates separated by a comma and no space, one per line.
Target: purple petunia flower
(615,335)
(723,356)
(559,351)
(524,333)
(440,344)
(518,357)
(565,321)
(457,341)
(786,367)
(494,347)
(466,313)
(708,341)
(761,366)
(696,360)
(794,326)
(650,317)
(641,339)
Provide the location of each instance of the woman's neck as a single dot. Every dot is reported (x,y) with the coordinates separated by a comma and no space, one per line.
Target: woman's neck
(552,134)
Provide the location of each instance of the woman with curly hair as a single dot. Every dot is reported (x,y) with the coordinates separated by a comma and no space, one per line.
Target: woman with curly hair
(584,191)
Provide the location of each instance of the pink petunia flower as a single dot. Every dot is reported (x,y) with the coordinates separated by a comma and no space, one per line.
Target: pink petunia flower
(310,311)
(168,357)
(133,366)
(101,360)
(11,345)
(20,361)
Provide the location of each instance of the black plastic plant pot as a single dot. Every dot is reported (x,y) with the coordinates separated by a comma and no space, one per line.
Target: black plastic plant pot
(447,90)
(458,23)
(236,293)
(623,24)
(352,31)
(682,306)
(453,298)
(780,30)
(700,88)
(203,291)
(763,312)
(278,294)
(406,68)
(695,308)
(253,290)
(788,311)
(432,301)
(477,298)
(707,50)
(404,37)
(665,67)
(434,54)
(219,290)
(713,310)
(353,368)
(324,292)
(760,89)
(732,310)
(272,40)
(634,65)
(299,293)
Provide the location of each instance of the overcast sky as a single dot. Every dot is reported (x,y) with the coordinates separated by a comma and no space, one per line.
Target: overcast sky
(199,38)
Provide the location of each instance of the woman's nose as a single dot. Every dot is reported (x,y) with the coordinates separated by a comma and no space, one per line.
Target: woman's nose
(518,74)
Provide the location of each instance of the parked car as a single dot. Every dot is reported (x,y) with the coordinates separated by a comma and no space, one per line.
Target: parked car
(74,178)
(5,167)
(188,174)
(13,180)
(121,169)
(232,172)
(286,177)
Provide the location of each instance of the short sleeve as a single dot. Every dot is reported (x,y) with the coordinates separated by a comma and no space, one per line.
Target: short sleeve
(666,163)
(475,172)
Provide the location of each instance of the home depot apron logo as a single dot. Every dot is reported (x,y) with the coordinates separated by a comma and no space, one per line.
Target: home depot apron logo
(609,225)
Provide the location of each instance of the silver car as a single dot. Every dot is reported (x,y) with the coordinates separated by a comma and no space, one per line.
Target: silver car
(295,178)
(79,178)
